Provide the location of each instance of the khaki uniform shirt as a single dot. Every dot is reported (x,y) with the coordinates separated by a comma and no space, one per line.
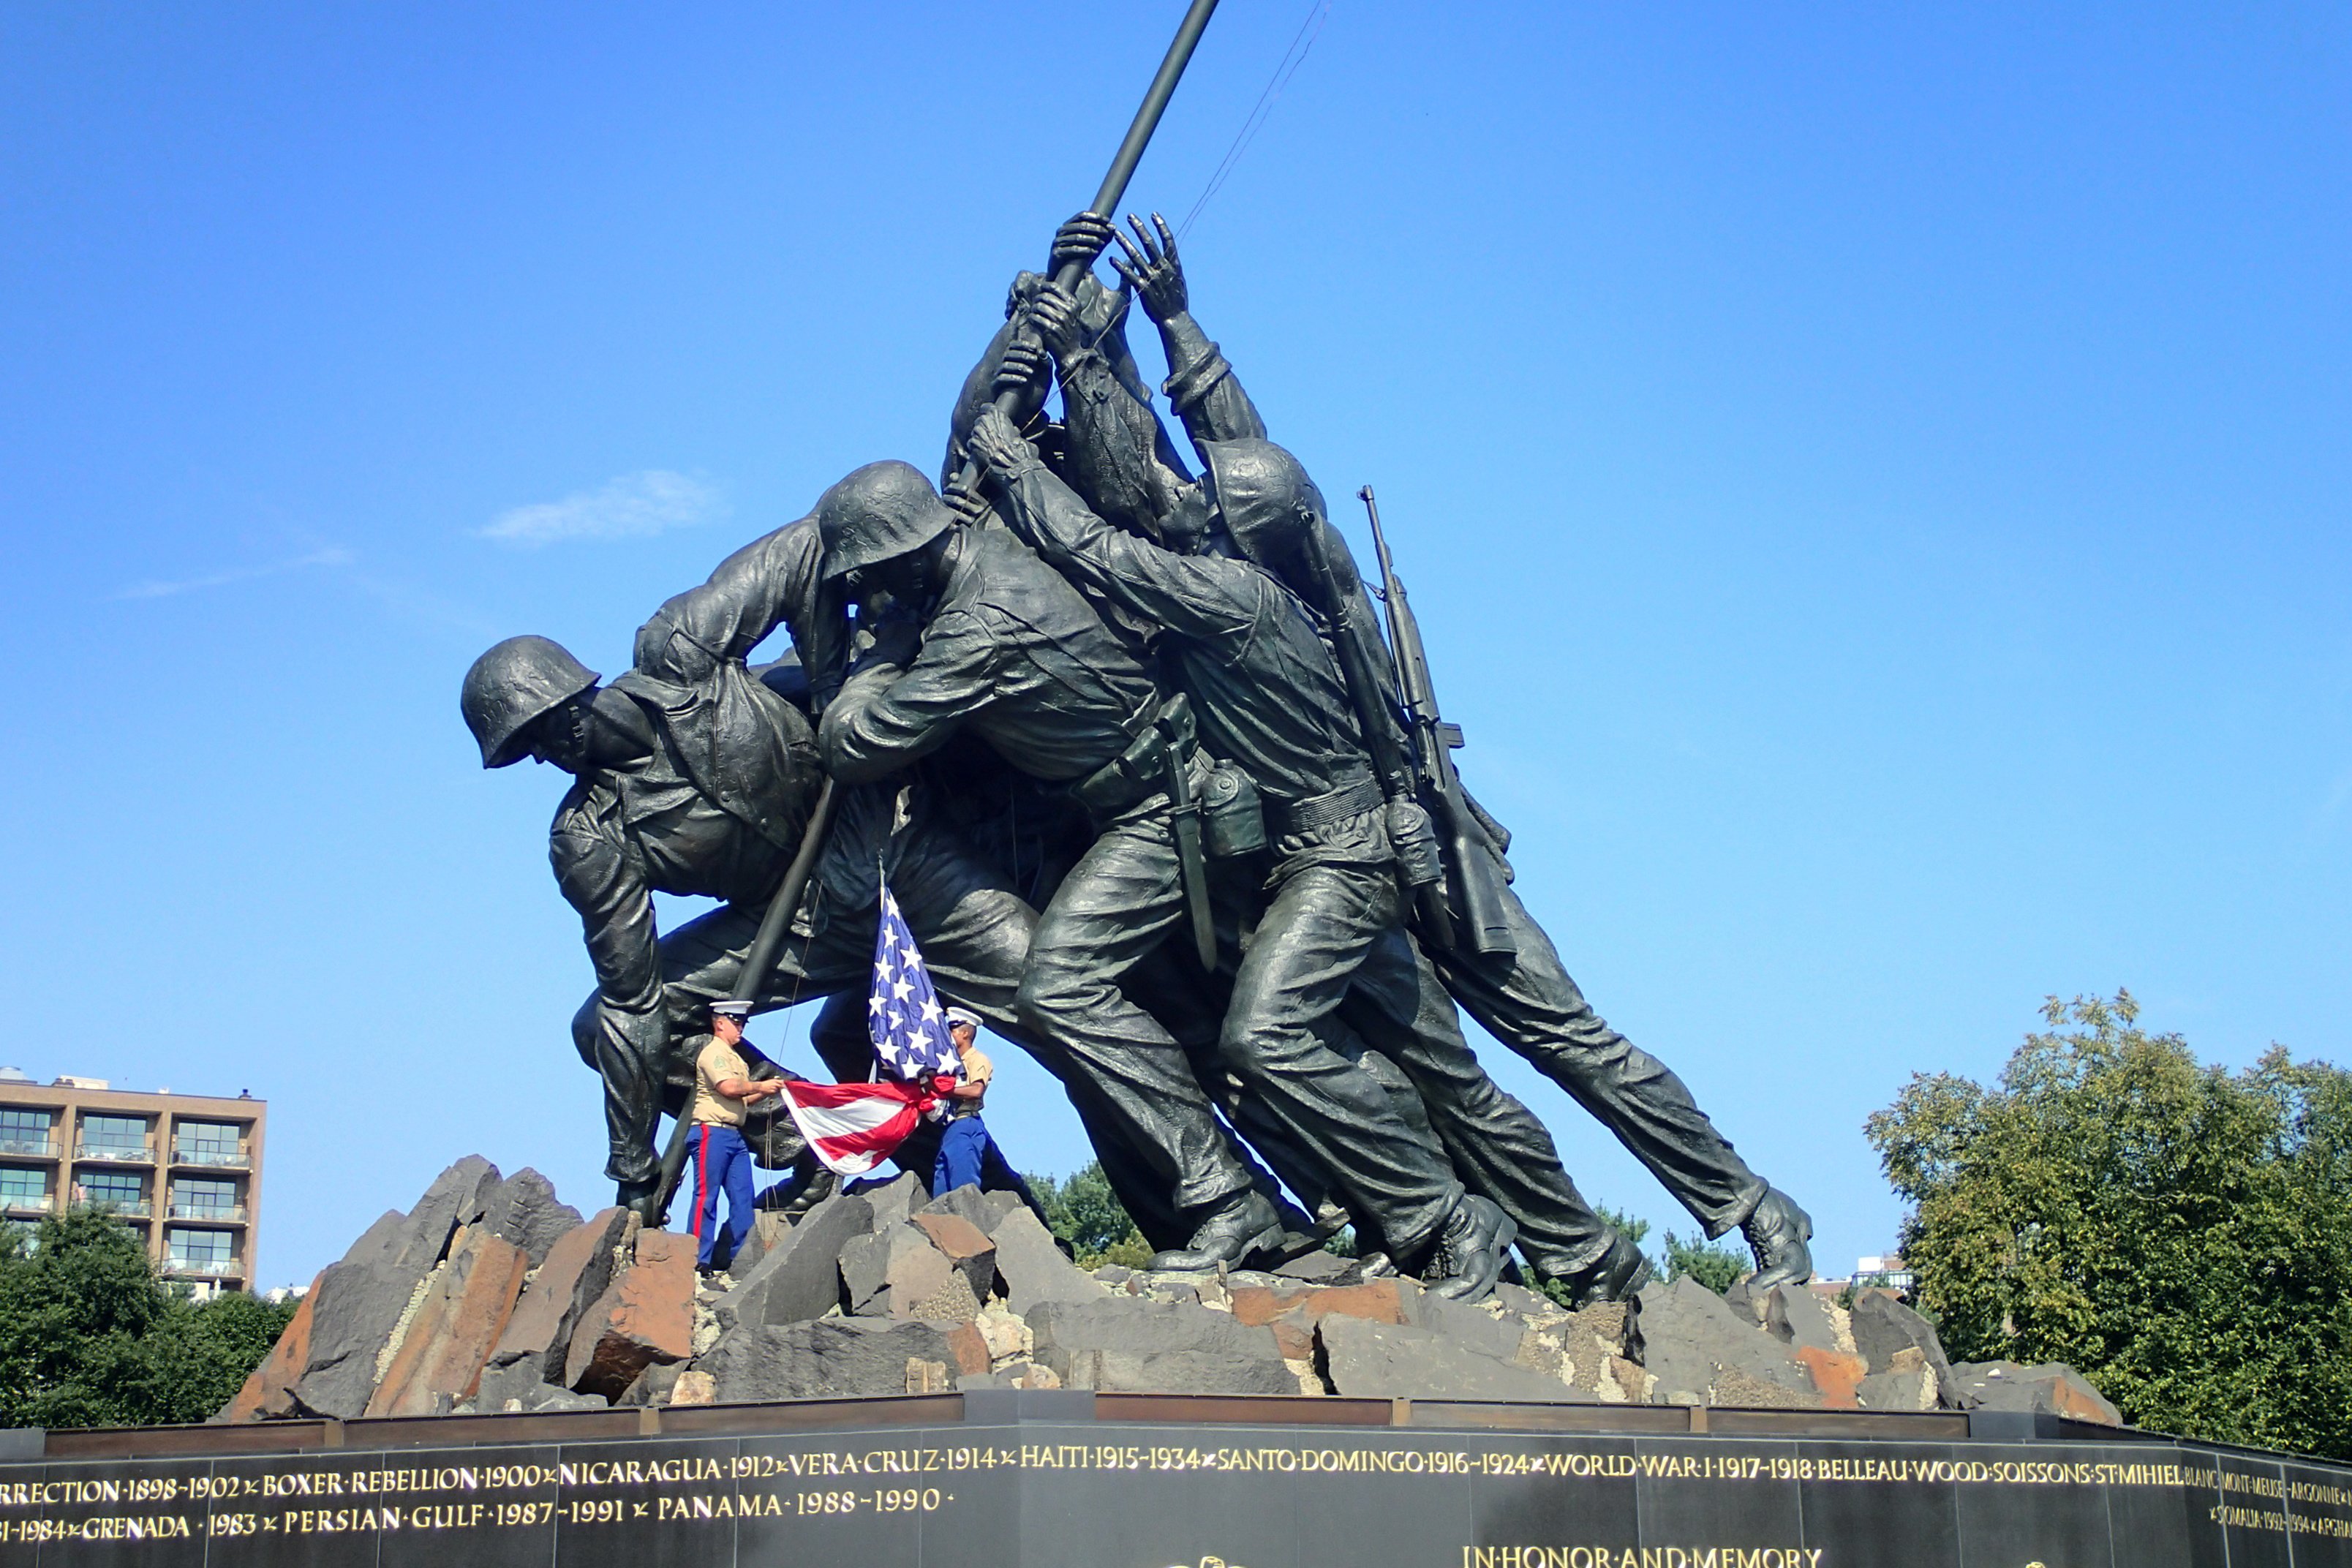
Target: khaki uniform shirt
(978,1070)
(714,1065)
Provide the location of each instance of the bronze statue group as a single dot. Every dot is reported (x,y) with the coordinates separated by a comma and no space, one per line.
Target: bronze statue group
(1123,734)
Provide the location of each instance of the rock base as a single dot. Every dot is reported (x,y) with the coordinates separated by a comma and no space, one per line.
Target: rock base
(489,1296)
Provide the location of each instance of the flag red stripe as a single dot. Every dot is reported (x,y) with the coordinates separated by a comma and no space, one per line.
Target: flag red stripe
(808,1092)
(852,1127)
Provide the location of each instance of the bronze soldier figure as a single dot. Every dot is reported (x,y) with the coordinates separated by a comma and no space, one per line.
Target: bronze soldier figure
(1521,993)
(1268,699)
(974,634)
(694,776)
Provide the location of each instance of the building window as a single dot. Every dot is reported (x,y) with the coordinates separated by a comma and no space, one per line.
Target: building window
(199,1197)
(207,1144)
(199,1251)
(115,1189)
(115,1136)
(22,1189)
(26,1132)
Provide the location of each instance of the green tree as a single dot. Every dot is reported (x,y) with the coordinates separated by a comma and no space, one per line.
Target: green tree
(1084,1211)
(2179,1234)
(1625,1225)
(90,1337)
(1717,1267)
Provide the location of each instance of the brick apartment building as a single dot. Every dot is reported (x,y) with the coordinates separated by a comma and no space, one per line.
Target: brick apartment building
(182,1170)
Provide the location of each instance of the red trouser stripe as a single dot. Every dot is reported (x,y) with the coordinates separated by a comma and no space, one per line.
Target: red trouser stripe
(701,1180)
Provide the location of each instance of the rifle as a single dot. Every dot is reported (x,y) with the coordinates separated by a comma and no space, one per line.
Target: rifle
(1475,921)
(1420,865)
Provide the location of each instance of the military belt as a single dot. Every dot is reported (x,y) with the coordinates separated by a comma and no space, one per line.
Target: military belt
(1353,798)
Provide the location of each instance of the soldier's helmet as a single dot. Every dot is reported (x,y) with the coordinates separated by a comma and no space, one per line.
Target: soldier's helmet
(513,684)
(1264,495)
(877,513)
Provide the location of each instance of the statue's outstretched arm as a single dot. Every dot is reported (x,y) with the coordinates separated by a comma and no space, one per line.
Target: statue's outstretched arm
(1201,385)
(773,581)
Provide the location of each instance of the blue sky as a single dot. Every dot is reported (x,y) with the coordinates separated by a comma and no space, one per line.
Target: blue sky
(1874,482)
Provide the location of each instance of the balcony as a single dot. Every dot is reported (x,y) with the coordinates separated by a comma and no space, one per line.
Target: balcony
(204,1267)
(28,1203)
(29,1148)
(210,1214)
(231,1158)
(113,1155)
(124,1208)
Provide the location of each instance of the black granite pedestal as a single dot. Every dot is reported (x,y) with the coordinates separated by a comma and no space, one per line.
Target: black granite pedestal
(1009,1480)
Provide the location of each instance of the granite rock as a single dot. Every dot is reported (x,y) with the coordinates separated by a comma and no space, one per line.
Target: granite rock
(1883,1328)
(768,1228)
(458,1197)
(969,1290)
(2050,1389)
(449,1340)
(1122,1346)
(654,1384)
(1031,1269)
(1471,1326)
(646,1315)
(1692,1341)
(895,1201)
(970,1204)
(1796,1316)
(576,1271)
(799,1276)
(523,1209)
(1912,1388)
(831,1359)
(892,1273)
(1359,1358)
(359,1301)
(520,1388)
(267,1392)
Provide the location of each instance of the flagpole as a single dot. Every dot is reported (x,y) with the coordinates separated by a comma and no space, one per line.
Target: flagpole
(750,977)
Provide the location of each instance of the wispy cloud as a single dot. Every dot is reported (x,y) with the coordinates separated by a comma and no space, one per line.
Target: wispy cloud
(2339,795)
(160,588)
(654,501)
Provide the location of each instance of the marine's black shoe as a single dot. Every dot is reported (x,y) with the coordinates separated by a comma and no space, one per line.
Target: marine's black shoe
(1471,1250)
(640,1196)
(1245,1226)
(1620,1272)
(1777,1232)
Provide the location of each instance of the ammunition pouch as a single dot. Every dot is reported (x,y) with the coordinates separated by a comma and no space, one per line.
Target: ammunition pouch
(1353,798)
(1232,812)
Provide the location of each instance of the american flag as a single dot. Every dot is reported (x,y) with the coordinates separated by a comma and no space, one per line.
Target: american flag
(903,1014)
(853,1127)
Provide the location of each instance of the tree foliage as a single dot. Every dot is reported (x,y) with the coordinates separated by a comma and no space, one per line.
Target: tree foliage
(90,1337)
(1084,1211)
(1625,1225)
(2180,1235)
(1717,1267)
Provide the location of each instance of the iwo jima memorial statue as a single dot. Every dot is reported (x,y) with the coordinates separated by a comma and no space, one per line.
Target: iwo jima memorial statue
(1113,735)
